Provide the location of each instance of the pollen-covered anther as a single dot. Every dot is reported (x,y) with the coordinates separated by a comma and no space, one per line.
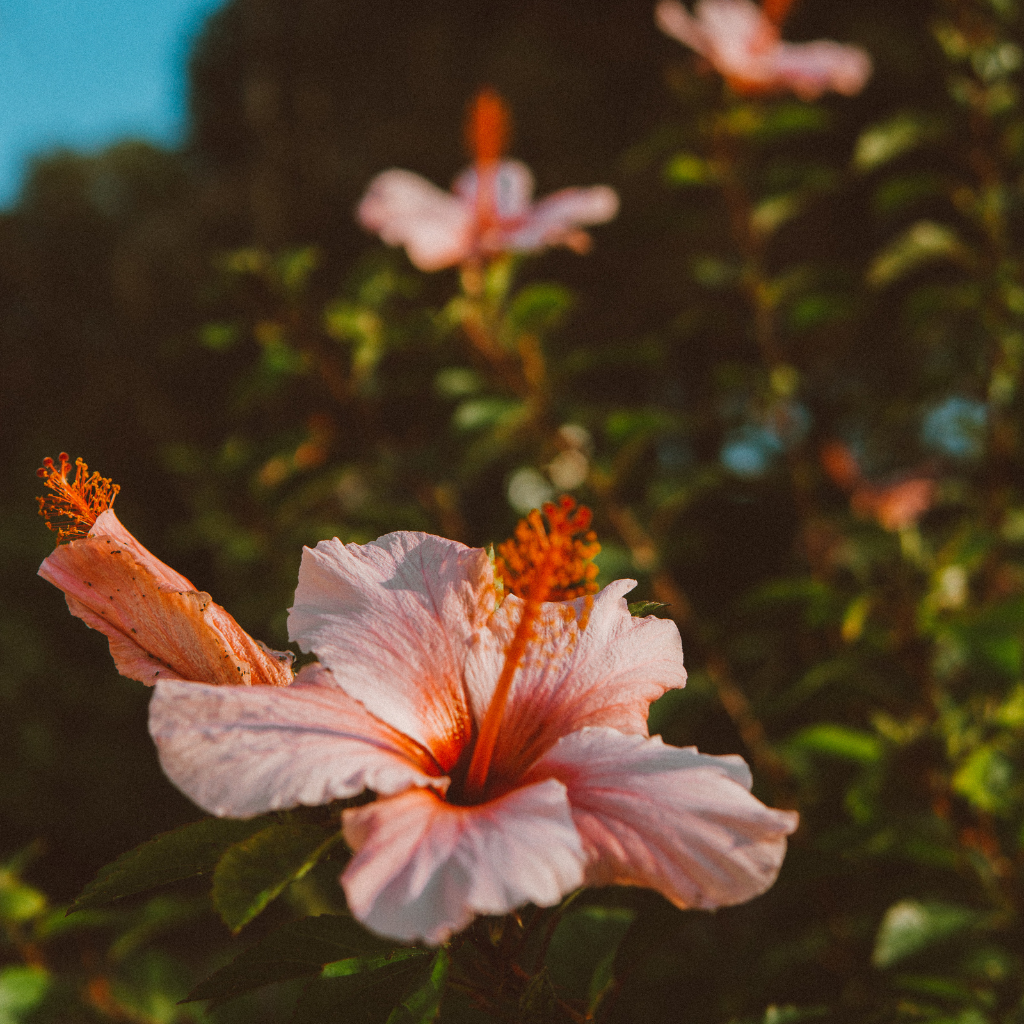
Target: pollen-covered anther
(552,564)
(538,564)
(74,505)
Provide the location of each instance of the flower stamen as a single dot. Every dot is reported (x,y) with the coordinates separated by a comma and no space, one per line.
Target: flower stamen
(488,127)
(776,10)
(75,505)
(487,132)
(537,565)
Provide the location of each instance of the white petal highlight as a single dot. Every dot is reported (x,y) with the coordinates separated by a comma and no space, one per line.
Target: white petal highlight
(394,620)
(605,674)
(238,752)
(669,818)
(512,182)
(405,209)
(424,868)
(811,69)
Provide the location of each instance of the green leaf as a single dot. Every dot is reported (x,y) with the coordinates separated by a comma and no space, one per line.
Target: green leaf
(714,273)
(295,266)
(986,779)
(254,871)
(907,190)
(299,949)
(922,243)
(218,336)
(818,309)
(791,1014)
(457,382)
(538,1004)
(362,992)
(838,741)
(689,169)
(362,964)
(184,853)
(911,926)
(477,413)
(581,956)
(22,989)
(19,902)
(639,609)
(537,309)
(774,121)
(626,425)
(424,1004)
(770,214)
(793,118)
(898,135)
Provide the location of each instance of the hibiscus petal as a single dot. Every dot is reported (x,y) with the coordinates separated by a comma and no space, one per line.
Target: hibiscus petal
(743,44)
(513,188)
(424,868)
(676,21)
(604,674)
(736,31)
(240,752)
(809,69)
(555,220)
(393,620)
(406,209)
(157,623)
(668,818)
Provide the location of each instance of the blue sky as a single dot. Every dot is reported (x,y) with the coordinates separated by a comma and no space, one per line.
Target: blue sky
(83,73)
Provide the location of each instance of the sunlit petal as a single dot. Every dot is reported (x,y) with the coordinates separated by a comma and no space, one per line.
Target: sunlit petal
(157,623)
(394,621)
(240,752)
(669,818)
(424,868)
(604,674)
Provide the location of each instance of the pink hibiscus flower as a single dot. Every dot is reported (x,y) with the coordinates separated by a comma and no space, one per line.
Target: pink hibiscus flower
(742,42)
(490,210)
(894,505)
(506,742)
(157,623)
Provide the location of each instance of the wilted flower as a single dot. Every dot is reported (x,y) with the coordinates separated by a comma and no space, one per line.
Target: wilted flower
(490,210)
(742,42)
(503,730)
(894,505)
(158,624)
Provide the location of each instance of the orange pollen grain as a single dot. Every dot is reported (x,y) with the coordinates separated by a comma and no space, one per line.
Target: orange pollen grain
(538,564)
(74,505)
(488,127)
(559,558)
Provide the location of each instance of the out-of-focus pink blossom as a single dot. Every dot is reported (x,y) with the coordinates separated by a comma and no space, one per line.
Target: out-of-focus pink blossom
(742,42)
(416,666)
(894,506)
(897,505)
(490,209)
